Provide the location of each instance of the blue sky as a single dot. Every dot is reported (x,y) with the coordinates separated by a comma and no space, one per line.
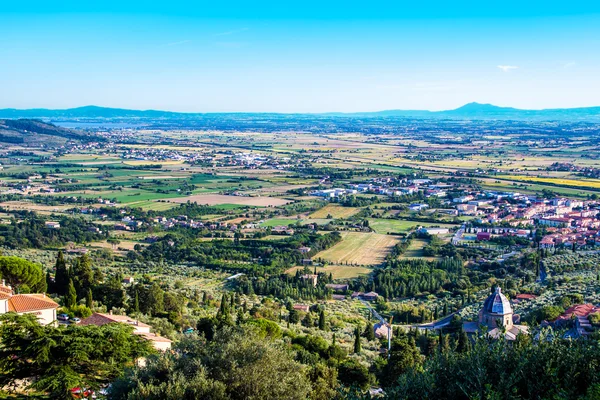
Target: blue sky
(305,56)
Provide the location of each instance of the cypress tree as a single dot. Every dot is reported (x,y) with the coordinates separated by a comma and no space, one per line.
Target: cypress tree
(71,296)
(88,299)
(369,332)
(136,302)
(61,275)
(322,320)
(357,340)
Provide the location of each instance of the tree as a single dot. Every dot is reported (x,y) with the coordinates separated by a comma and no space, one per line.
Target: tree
(55,359)
(237,364)
(322,320)
(83,275)
(294,316)
(357,340)
(464,345)
(61,275)
(88,299)
(136,303)
(71,296)
(369,332)
(22,275)
(404,355)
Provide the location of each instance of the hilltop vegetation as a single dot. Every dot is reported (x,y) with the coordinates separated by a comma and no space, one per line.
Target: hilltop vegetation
(36,132)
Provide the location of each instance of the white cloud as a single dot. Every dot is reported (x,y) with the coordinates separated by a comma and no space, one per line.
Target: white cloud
(569,65)
(507,68)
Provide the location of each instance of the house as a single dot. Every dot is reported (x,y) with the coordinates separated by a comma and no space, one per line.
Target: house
(43,307)
(370,296)
(301,307)
(304,249)
(338,287)
(312,278)
(481,236)
(381,330)
(128,280)
(434,231)
(139,328)
(52,225)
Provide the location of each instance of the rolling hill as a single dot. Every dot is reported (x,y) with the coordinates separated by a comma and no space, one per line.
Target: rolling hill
(32,131)
(468,111)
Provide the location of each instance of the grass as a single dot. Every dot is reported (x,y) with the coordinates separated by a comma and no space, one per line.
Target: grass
(360,249)
(336,211)
(380,225)
(279,222)
(337,271)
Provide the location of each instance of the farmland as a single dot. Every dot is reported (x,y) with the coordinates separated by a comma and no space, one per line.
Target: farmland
(334,211)
(360,249)
(385,226)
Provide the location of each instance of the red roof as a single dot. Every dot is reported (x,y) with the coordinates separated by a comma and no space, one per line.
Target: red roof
(30,302)
(103,319)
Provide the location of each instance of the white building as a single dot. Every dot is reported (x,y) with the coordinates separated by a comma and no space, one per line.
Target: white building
(44,308)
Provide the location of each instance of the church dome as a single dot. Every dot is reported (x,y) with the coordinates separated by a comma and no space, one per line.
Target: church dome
(497,303)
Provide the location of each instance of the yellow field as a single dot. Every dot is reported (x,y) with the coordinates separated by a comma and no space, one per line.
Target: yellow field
(359,248)
(337,271)
(335,211)
(593,183)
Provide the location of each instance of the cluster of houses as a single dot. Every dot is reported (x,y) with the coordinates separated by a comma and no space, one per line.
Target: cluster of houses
(387,186)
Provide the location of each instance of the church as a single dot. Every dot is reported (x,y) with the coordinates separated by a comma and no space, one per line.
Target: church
(497,315)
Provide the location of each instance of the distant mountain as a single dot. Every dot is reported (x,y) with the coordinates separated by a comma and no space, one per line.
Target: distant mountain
(468,111)
(32,131)
(489,111)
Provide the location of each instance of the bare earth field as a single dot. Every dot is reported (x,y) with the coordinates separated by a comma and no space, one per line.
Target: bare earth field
(216,199)
(360,248)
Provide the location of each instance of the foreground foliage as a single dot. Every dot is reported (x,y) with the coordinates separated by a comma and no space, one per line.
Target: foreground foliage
(58,359)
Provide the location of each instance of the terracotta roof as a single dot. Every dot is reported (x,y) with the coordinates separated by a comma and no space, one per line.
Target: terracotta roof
(30,302)
(4,296)
(103,319)
(6,289)
(153,337)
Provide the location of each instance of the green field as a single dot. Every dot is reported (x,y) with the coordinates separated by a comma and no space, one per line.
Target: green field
(337,271)
(384,226)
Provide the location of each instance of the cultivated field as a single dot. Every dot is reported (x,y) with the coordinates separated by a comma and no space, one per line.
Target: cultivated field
(216,199)
(335,211)
(359,248)
(381,225)
(337,271)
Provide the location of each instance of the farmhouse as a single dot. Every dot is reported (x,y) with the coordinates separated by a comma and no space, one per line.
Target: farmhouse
(338,287)
(312,278)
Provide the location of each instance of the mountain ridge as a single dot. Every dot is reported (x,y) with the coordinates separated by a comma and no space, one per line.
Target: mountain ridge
(471,110)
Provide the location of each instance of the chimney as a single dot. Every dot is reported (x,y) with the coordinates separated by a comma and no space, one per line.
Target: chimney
(3,282)
(110,312)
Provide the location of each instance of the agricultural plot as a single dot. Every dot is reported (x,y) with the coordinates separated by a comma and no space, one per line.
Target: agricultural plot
(335,211)
(215,199)
(337,271)
(360,248)
(384,226)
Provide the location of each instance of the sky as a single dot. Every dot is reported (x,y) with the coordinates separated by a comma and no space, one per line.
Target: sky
(299,56)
